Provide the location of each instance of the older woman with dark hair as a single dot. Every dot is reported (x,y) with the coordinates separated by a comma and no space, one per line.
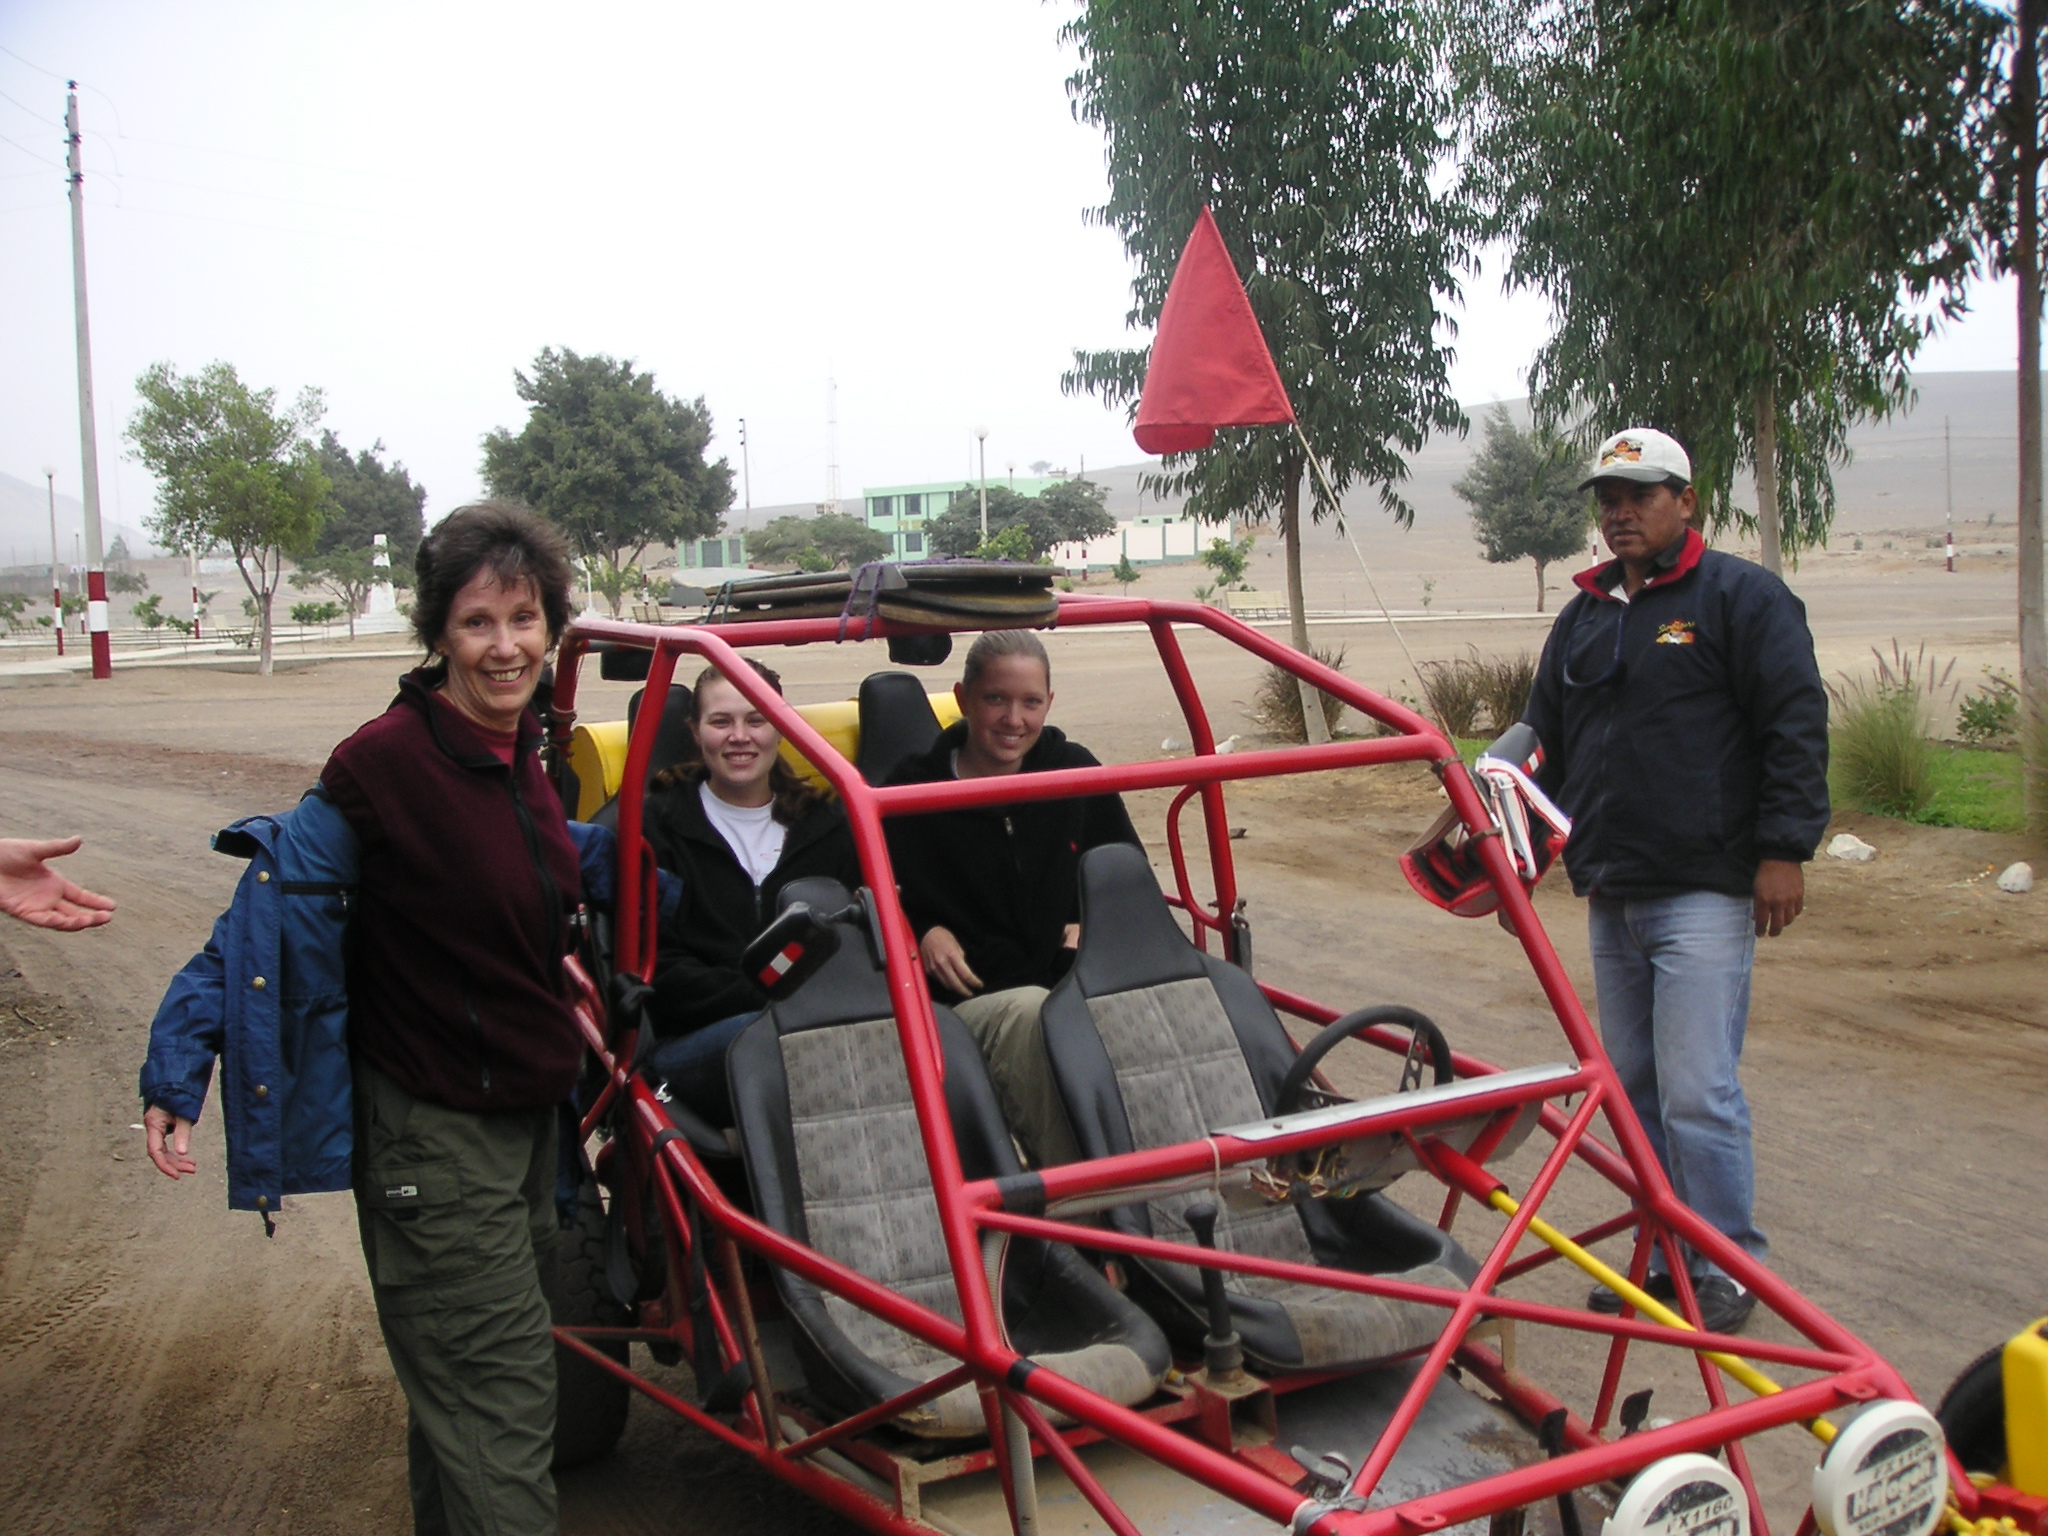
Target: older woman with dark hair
(460,1041)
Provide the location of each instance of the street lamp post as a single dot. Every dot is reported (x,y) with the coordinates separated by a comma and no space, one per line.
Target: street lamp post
(56,586)
(981,437)
(746,475)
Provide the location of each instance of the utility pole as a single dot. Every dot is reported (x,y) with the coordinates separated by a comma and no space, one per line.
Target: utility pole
(746,475)
(1948,481)
(981,437)
(56,586)
(832,445)
(2024,260)
(88,437)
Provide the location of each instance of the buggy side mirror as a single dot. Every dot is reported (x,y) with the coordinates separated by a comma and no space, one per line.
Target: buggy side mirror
(1519,745)
(789,951)
(622,664)
(920,650)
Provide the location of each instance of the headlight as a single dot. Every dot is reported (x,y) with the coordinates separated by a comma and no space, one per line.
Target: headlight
(1684,1495)
(1884,1475)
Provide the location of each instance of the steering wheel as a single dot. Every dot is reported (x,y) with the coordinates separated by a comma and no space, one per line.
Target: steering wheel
(1292,1086)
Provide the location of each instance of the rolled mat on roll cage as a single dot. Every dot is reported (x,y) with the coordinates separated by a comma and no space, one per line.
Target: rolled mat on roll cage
(1164,1462)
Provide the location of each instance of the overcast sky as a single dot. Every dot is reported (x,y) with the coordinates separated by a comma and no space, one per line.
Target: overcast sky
(401,204)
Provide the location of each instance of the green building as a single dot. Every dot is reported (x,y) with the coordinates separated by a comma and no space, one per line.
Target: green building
(901,511)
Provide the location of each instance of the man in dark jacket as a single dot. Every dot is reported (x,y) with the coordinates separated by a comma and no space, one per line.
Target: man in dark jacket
(1685,730)
(993,892)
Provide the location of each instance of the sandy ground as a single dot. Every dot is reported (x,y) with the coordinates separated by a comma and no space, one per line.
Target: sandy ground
(168,1369)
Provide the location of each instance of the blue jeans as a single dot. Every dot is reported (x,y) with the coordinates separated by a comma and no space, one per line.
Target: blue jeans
(693,1066)
(1673,979)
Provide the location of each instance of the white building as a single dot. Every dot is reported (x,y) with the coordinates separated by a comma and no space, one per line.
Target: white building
(1152,539)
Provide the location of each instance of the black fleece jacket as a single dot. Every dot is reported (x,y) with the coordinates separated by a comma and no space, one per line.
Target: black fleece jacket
(456,987)
(697,977)
(1004,879)
(1685,731)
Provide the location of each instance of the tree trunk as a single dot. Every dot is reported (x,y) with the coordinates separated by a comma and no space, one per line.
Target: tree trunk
(1769,523)
(263,655)
(1317,728)
(1539,585)
(2026,264)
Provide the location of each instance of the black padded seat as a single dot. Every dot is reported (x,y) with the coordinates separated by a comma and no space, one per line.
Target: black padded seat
(673,742)
(896,722)
(1154,1043)
(835,1160)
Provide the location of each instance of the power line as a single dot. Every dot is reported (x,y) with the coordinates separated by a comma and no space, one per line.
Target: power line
(30,63)
(57,165)
(31,111)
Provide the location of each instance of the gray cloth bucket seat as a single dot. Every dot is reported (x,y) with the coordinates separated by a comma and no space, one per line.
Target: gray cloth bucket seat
(1154,1043)
(834,1157)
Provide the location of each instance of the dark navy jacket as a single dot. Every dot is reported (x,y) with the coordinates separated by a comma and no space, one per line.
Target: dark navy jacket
(268,996)
(1685,731)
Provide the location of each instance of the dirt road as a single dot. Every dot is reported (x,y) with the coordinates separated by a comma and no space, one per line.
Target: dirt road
(167,1369)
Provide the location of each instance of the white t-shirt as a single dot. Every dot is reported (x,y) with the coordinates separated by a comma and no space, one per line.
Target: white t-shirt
(751,832)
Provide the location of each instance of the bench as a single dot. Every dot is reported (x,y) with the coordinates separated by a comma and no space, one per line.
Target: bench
(1262,604)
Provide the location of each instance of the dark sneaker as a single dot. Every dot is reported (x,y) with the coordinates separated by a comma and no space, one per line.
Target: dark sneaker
(1724,1305)
(1659,1286)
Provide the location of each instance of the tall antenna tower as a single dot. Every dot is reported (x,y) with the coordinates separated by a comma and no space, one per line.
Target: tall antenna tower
(831,445)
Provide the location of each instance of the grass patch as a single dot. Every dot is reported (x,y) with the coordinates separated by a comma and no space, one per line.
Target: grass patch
(1975,788)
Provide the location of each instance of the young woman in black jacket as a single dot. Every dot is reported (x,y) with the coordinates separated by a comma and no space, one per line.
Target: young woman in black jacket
(736,827)
(993,893)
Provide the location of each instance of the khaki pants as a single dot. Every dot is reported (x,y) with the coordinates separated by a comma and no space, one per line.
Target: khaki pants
(456,1212)
(1007,1027)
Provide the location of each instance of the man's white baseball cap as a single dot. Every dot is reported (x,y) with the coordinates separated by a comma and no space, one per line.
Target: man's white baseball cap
(1642,454)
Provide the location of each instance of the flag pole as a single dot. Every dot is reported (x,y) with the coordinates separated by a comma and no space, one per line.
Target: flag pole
(1372,586)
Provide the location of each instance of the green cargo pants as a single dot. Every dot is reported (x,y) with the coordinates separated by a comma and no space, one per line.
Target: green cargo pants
(1007,1027)
(457,1217)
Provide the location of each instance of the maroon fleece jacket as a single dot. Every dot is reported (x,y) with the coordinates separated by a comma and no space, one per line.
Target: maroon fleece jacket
(456,986)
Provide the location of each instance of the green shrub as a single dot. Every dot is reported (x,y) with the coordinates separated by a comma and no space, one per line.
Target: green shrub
(1506,682)
(1990,712)
(1475,693)
(1883,760)
(1455,693)
(1276,705)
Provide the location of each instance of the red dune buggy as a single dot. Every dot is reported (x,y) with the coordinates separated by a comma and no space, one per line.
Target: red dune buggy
(1220,1319)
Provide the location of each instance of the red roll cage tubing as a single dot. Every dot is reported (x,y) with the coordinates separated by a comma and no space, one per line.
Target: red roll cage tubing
(965,1210)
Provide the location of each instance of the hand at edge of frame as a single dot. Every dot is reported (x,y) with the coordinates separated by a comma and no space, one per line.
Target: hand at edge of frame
(37,895)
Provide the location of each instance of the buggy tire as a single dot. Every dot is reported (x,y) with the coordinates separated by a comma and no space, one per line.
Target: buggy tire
(590,1402)
(1972,1414)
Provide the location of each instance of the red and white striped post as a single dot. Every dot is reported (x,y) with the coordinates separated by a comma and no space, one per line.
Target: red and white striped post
(88,437)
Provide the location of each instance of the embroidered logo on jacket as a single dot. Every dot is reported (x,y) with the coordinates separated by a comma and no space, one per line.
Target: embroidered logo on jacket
(1677,632)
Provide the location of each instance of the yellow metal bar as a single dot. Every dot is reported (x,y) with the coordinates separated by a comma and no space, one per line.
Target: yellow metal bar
(1649,1306)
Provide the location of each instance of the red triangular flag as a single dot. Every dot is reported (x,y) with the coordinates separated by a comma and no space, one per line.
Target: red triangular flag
(1210,367)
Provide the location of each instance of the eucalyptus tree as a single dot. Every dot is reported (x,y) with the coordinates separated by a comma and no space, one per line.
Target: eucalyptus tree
(1747,216)
(1319,134)
(2016,145)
